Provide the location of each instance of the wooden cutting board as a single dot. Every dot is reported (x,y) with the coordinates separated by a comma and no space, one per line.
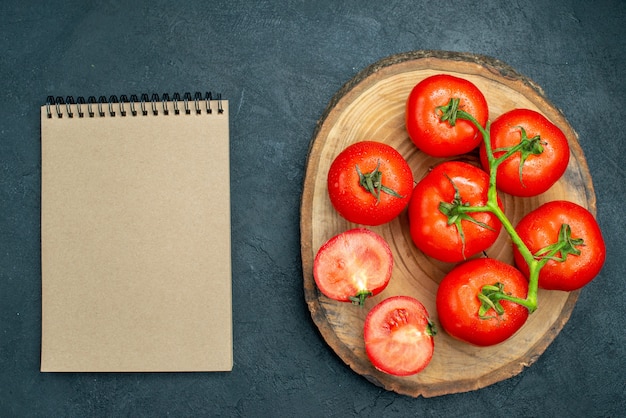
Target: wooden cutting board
(371,107)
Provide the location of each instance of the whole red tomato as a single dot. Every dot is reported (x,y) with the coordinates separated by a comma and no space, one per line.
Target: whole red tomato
(398,336)
(540,162)
(353,265)
(582,244)
(437,225)
(459,307)
(424,112)
(369,183)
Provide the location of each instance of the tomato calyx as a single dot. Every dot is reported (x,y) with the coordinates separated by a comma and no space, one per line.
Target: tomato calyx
(457,211)
(431,329)
(565,246)
(526,147)
(489,297)
(451,111)
(373,183)
(360,297)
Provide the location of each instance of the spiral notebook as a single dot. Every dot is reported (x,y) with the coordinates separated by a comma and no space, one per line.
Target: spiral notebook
(135,234)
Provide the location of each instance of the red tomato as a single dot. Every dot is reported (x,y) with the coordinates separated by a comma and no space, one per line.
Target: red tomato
(430,228)
(539,164)
(458,304)
(423,116)
(370,183)
(540,229)
(399,336)
(353,265)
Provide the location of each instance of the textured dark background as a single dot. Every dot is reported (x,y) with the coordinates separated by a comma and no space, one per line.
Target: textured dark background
(279,63)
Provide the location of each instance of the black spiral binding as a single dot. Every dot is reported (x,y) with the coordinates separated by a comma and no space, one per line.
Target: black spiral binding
(135,105)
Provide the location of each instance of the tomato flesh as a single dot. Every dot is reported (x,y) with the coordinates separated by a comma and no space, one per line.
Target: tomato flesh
(398,336)
(353,263)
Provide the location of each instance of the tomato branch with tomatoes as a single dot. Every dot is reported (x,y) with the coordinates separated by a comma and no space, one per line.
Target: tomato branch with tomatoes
(490,295)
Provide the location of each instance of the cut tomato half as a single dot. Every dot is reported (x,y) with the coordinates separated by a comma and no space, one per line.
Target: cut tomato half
(353,265)
(399,336)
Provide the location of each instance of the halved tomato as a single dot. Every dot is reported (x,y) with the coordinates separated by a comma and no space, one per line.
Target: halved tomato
(353,265)
(399,336)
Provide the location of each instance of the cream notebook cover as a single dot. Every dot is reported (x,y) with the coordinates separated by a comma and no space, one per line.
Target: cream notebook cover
(135,235)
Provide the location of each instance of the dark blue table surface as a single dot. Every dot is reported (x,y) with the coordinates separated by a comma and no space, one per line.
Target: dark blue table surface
(279,63)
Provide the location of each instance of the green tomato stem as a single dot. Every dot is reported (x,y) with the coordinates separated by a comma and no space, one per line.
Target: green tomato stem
(360,297)
(492,206)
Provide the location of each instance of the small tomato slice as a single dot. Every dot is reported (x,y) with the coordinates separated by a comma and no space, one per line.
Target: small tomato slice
(542,159)
(458,305)
(585,254)
(353,265)
(452,183)
(423,117)
(399,336)
(369,183)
